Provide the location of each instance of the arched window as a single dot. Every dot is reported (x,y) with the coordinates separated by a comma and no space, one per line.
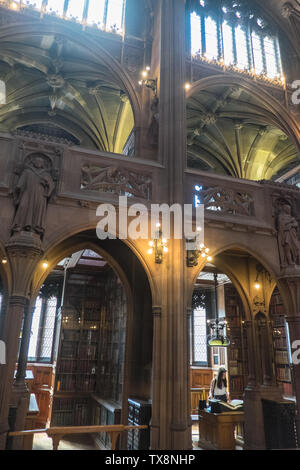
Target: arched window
(240,39)
(105,14)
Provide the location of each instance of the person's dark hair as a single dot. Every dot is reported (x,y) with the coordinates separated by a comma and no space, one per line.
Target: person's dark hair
(220,380)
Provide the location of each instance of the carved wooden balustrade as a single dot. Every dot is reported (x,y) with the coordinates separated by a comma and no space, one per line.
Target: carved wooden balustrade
(57,433)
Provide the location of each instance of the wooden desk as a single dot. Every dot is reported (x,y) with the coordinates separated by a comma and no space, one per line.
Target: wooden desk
(216,431)
(196,395)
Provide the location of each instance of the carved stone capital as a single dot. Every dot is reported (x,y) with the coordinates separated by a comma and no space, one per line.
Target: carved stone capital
(23,251)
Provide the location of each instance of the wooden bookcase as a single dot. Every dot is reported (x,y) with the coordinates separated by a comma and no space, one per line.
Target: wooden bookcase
(237,351)
(281,345)
(91,347)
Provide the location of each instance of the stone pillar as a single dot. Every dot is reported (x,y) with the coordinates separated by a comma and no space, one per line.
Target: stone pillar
(290,291)
(23,251)
(171,405)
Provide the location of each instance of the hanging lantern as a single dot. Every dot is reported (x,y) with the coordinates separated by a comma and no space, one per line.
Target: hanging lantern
(218,337)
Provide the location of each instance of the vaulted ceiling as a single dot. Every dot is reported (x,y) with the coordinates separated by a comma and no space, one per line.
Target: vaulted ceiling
(57,87)
(230,132)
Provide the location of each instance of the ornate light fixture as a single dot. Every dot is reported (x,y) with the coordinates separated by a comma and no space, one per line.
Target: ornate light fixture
(196,250)
(158,246)
(148,82)
(218,337)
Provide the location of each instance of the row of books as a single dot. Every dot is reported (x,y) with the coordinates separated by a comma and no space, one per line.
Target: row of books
(75,366)
(78,383)
(73,350)
(280,343)
(77,417)
(282,357)
(284,373)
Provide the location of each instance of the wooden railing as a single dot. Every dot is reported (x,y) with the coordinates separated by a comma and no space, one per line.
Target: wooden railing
(57,433)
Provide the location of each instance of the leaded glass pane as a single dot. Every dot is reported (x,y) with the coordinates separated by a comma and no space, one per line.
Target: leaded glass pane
(257,53)
(195,33)
(75,9)
(211,38)
(200,344)
(228,44)
(35,329)
(48,330)
(270,54)
(96,12)
(115,15)
(35,3)
(55,6)
(241,48)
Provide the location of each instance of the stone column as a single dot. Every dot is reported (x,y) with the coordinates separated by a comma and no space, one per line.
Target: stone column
(290,291)
(171,405)
(23,251)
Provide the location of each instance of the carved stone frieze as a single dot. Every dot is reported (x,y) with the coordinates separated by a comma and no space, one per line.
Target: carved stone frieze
(226,201)
(116,180)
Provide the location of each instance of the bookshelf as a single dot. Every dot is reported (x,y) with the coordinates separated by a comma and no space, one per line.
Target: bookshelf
(281,345)
(91,348)
(237,351)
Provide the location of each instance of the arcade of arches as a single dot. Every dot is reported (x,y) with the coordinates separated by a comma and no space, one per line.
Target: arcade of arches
(149,99)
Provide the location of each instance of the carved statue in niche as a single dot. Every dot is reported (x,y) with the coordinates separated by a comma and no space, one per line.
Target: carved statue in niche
(289,245)
(31,195)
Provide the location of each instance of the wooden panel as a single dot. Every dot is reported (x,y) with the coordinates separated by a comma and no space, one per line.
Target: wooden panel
(200,377)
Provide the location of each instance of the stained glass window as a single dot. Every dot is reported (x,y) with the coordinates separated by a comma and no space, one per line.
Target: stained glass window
(114,18)
(241,48)
(196,33)
(42,330)
(106,14)
(270,54)
(35,3)
(228,44)
(96,12)
(199,336)
(257,53)
(211,38)
(75,9)
(55,6)
(216,38)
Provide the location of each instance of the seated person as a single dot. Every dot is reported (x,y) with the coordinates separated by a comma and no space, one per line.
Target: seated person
(218,387)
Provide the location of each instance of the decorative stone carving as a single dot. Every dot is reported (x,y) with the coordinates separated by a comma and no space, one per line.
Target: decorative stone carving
(259,305)
(116,180)
(153,133)
(227,201)
(288,241)
(31,194)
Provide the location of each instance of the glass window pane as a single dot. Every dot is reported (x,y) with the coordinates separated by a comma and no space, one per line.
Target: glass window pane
(75,9)
(35,329)
(35,3)
(48,330)
(55,6)
(195,34)
(241,48)
(2,92)
(114,15)
(228,44)
(211,38)
(257,52)
(96,12)
(200,344)
(270,53)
